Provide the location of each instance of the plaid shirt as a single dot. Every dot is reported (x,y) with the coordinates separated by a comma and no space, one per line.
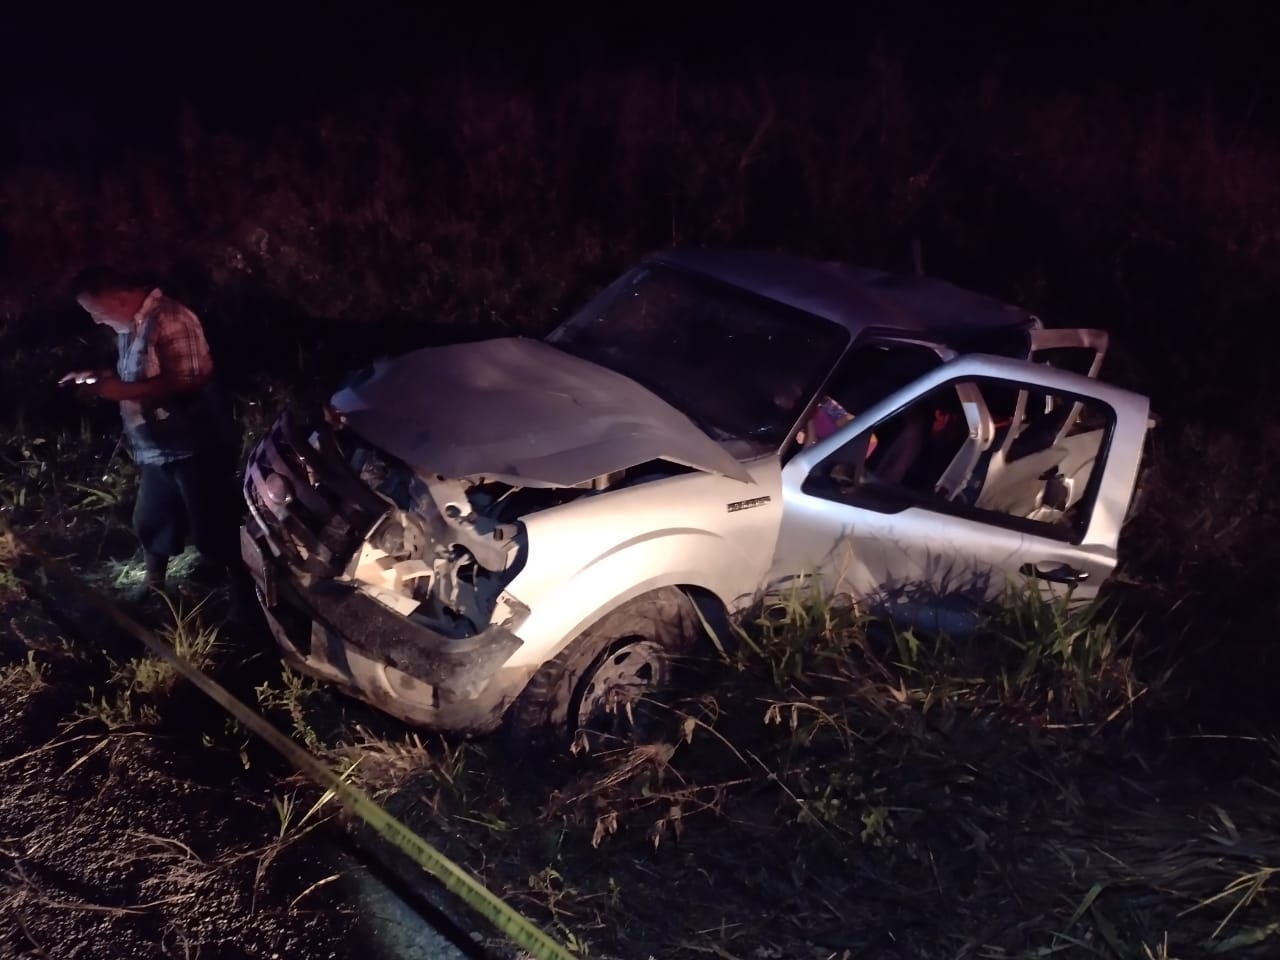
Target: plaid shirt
(166,338)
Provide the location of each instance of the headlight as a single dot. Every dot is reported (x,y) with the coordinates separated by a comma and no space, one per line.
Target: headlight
(279,491)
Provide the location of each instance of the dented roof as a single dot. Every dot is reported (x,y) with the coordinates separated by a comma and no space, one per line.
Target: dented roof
(859,298)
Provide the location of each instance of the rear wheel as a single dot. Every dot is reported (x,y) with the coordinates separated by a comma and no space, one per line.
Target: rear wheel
(604,691)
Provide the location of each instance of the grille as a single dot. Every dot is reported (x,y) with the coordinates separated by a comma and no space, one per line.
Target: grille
(313,507)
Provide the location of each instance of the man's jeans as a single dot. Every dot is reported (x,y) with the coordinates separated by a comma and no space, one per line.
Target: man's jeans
(191,500)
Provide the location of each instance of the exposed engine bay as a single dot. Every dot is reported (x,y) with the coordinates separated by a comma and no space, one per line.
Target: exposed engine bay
(446,549)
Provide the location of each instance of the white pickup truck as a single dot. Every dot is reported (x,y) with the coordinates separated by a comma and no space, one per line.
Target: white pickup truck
(532,532)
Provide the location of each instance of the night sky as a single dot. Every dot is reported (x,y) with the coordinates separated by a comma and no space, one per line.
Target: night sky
(80,81)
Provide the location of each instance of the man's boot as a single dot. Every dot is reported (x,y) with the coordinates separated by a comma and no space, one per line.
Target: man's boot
(157,565)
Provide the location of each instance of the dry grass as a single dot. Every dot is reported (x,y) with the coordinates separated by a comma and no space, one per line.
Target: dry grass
(844,788)
(137,689)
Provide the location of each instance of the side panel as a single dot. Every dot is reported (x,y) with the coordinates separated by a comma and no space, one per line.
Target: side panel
(925,568)
(589,556)
(917,555)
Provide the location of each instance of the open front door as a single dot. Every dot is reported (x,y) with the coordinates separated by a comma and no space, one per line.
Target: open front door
(955,486)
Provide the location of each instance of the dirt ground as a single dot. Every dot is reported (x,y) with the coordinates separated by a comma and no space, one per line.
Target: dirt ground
(131,844)
(138,840)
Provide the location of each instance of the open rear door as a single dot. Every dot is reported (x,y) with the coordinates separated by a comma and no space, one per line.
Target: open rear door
(1076,350)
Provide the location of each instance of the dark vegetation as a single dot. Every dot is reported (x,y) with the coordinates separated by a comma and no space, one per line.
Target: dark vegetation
(1075,787)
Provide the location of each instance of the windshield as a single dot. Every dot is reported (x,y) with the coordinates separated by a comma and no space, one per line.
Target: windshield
(740,366)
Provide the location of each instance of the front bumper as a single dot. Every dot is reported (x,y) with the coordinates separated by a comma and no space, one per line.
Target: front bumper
(336,633)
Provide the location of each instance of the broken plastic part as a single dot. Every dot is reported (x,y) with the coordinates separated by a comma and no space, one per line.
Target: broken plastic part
(491,543)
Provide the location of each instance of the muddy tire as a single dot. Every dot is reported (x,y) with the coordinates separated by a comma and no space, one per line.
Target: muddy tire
(604,691)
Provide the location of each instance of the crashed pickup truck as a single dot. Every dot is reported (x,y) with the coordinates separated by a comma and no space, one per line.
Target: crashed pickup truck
(530,533)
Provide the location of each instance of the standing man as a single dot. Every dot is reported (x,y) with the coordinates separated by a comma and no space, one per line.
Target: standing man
(181,433)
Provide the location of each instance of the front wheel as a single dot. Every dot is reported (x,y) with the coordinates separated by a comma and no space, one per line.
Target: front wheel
(603,691)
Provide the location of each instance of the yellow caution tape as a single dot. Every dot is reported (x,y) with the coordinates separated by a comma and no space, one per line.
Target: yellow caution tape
(514,925)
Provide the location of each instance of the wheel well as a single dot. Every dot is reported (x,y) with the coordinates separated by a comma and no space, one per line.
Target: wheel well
(687,605)
(676,617)
(712,613)
(684,606)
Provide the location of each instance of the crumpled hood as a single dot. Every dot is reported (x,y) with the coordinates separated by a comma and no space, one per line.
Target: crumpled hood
(522,412)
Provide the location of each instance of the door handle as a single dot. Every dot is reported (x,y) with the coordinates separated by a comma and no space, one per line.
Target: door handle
(1062,573)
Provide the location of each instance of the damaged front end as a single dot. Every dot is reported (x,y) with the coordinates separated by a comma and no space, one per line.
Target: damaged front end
(433,556)
(386,534)
(386,582)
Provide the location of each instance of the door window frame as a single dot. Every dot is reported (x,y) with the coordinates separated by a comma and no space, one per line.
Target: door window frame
(885,498)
